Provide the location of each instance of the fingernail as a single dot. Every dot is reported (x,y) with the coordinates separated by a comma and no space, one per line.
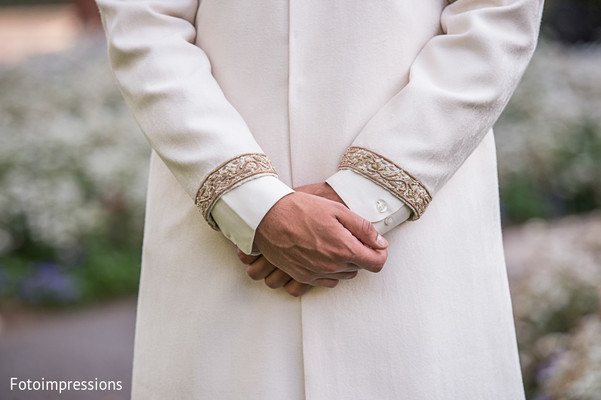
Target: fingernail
(381,241)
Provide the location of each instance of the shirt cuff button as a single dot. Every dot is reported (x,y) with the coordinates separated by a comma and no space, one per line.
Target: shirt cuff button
(381,206)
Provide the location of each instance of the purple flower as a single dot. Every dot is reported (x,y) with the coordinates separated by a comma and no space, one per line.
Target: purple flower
(546,368)
(49,284)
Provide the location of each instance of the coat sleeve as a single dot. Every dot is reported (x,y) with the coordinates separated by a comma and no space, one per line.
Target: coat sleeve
(167,82)
(458,85)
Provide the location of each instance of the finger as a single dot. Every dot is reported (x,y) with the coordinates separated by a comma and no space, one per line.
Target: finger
(296,289)
(329,283)
(360,254)
(245,258)
(341,275)
(277,279)
(260,269)
(368,259)
(362,229)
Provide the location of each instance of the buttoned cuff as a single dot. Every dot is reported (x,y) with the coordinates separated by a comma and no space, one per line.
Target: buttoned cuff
(369,200)
(239,211)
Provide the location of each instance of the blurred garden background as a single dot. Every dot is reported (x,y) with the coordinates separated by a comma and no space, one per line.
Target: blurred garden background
(73,176)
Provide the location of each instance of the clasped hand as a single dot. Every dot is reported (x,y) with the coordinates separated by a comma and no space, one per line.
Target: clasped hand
(310,238)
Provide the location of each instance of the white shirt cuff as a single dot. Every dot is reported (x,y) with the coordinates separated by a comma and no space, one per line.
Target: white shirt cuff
(239,211)
(369,200)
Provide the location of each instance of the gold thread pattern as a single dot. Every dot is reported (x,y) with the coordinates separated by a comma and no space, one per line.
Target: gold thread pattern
(388,175)
(228,175)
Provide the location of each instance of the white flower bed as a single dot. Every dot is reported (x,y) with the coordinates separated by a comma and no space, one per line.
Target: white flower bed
(555,276)
(70,148)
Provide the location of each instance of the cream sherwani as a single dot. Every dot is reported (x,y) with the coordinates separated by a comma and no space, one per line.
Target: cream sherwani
(392,102)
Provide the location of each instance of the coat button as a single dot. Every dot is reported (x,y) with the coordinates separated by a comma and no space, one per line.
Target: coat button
(381,206)
(388,221)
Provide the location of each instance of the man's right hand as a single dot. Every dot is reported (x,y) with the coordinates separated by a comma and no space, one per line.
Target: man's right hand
(318,241)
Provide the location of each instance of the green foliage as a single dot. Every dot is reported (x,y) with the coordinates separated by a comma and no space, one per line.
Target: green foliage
(98,271)
(567,184)
(522,198)
(100,265)
(549,137)
(73,176)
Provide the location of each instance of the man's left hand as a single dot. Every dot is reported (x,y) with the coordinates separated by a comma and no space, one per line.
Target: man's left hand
(258,266)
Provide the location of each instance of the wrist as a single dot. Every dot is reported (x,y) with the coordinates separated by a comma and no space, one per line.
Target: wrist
(331,194)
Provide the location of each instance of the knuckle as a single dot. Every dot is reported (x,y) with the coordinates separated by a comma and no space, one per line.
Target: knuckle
(342,208)
(246,259)
(345,254)
(378,267)
(294,291)
(366,227)
(333,268)
(305,277)
(319,282)
(328,268)
(271,283)
(352,258)
(329,283)
(253,273)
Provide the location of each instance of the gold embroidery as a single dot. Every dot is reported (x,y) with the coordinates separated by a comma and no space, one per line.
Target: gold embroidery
(228,175)
(389,175)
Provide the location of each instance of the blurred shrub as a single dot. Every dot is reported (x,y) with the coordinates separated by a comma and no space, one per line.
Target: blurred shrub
(556,293)
(573,21)
(549,137)
(72,179)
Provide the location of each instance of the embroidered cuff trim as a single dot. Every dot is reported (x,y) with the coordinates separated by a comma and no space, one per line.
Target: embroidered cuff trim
(228,175)
(388,175)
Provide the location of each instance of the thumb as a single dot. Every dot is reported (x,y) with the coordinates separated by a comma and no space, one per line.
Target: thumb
(363,230)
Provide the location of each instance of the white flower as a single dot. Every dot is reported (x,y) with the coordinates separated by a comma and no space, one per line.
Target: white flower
(68,143)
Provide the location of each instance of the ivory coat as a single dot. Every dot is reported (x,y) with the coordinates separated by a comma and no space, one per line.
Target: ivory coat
(416,84)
